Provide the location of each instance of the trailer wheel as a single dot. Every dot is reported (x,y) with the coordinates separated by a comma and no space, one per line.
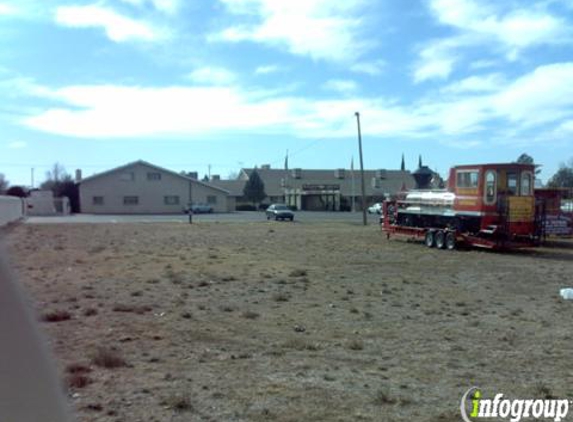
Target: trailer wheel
(450,241)
(440,239)
(429,239)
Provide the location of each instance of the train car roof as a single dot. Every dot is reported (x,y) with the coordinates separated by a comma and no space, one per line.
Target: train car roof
(496,165)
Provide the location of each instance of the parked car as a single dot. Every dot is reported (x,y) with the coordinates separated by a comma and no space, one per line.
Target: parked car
(200,209)
(279,212)
(375,209)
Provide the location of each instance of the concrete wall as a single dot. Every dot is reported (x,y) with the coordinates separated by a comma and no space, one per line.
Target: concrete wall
(11,209)
(41,202)
(114,186)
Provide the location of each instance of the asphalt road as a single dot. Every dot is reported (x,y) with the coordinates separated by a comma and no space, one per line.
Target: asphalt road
(238,217)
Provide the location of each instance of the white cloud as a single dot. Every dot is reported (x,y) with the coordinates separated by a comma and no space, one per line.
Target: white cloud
(118,28)
(517,28)
(483,64)
(436,61)
(320,29)
(17,145)
(482,83)
(120,111)
(372,68)
(542,99)
(7,9)
(212,76)
(169,7)
(489,25)
(494,25)
(545,95)
(265,70)
(344,86)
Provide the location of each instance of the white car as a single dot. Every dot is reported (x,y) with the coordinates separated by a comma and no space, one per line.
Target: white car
(375,208)
(200,209)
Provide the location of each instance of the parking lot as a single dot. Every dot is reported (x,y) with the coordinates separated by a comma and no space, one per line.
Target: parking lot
(238,216)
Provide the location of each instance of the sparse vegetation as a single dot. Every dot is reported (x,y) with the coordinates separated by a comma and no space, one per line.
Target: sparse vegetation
(108,358)
(250,343)
(298,273)
(281,297)
(56,316)
(137,309)
(78,368)
(250,315)
(78,380)
(178,402)
(356,344)
(383,397)
(90,312)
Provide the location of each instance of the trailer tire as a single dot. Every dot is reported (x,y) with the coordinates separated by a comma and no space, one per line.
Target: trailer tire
(450,241)
(429,239)
(440,239)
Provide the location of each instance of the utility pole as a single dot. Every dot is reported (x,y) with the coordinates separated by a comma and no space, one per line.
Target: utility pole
(361,170)
(32,177)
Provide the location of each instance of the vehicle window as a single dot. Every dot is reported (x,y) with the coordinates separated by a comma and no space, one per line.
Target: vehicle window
(490,186)
(526,183)
(512,183)
(467,179)
(281,207)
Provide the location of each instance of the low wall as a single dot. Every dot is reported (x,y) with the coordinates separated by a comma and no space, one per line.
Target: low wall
(11,209)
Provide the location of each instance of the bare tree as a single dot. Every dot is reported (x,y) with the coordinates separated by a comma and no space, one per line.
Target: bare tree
(56,174)
(3,184)
(62,184)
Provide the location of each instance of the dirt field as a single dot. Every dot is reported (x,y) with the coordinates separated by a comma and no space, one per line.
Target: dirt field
(291,322)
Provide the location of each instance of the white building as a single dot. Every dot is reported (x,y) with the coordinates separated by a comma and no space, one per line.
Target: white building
(143,188)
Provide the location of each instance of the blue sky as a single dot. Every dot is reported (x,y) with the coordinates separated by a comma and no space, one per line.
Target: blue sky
(236,83)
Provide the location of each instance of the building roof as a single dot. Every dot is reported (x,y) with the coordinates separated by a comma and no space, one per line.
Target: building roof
(387,181)
(154,167)
(235,187)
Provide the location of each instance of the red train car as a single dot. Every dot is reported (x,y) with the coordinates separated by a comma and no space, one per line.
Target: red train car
(484,205)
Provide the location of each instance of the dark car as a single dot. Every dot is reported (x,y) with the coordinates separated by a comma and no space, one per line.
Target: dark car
(279,212)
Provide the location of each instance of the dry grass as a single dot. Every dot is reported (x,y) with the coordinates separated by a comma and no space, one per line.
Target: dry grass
(77,381)
(246,337)
(137,309)
(56,316)
(108,358)
(178,402)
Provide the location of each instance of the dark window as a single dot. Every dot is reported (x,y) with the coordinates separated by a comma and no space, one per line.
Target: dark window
(130,200)
(490,186)
(467,179)
(211,199)
(512,183)
(171,200)
(97,200)
(526,183)
(153,176)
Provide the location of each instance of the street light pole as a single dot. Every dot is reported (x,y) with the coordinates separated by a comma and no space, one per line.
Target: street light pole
(363,202)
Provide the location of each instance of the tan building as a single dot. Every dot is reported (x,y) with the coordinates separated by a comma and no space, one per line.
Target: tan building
(327,190)
(143,188)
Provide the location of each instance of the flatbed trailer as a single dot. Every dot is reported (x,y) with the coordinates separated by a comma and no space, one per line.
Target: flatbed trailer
(450,239)
(489,206)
